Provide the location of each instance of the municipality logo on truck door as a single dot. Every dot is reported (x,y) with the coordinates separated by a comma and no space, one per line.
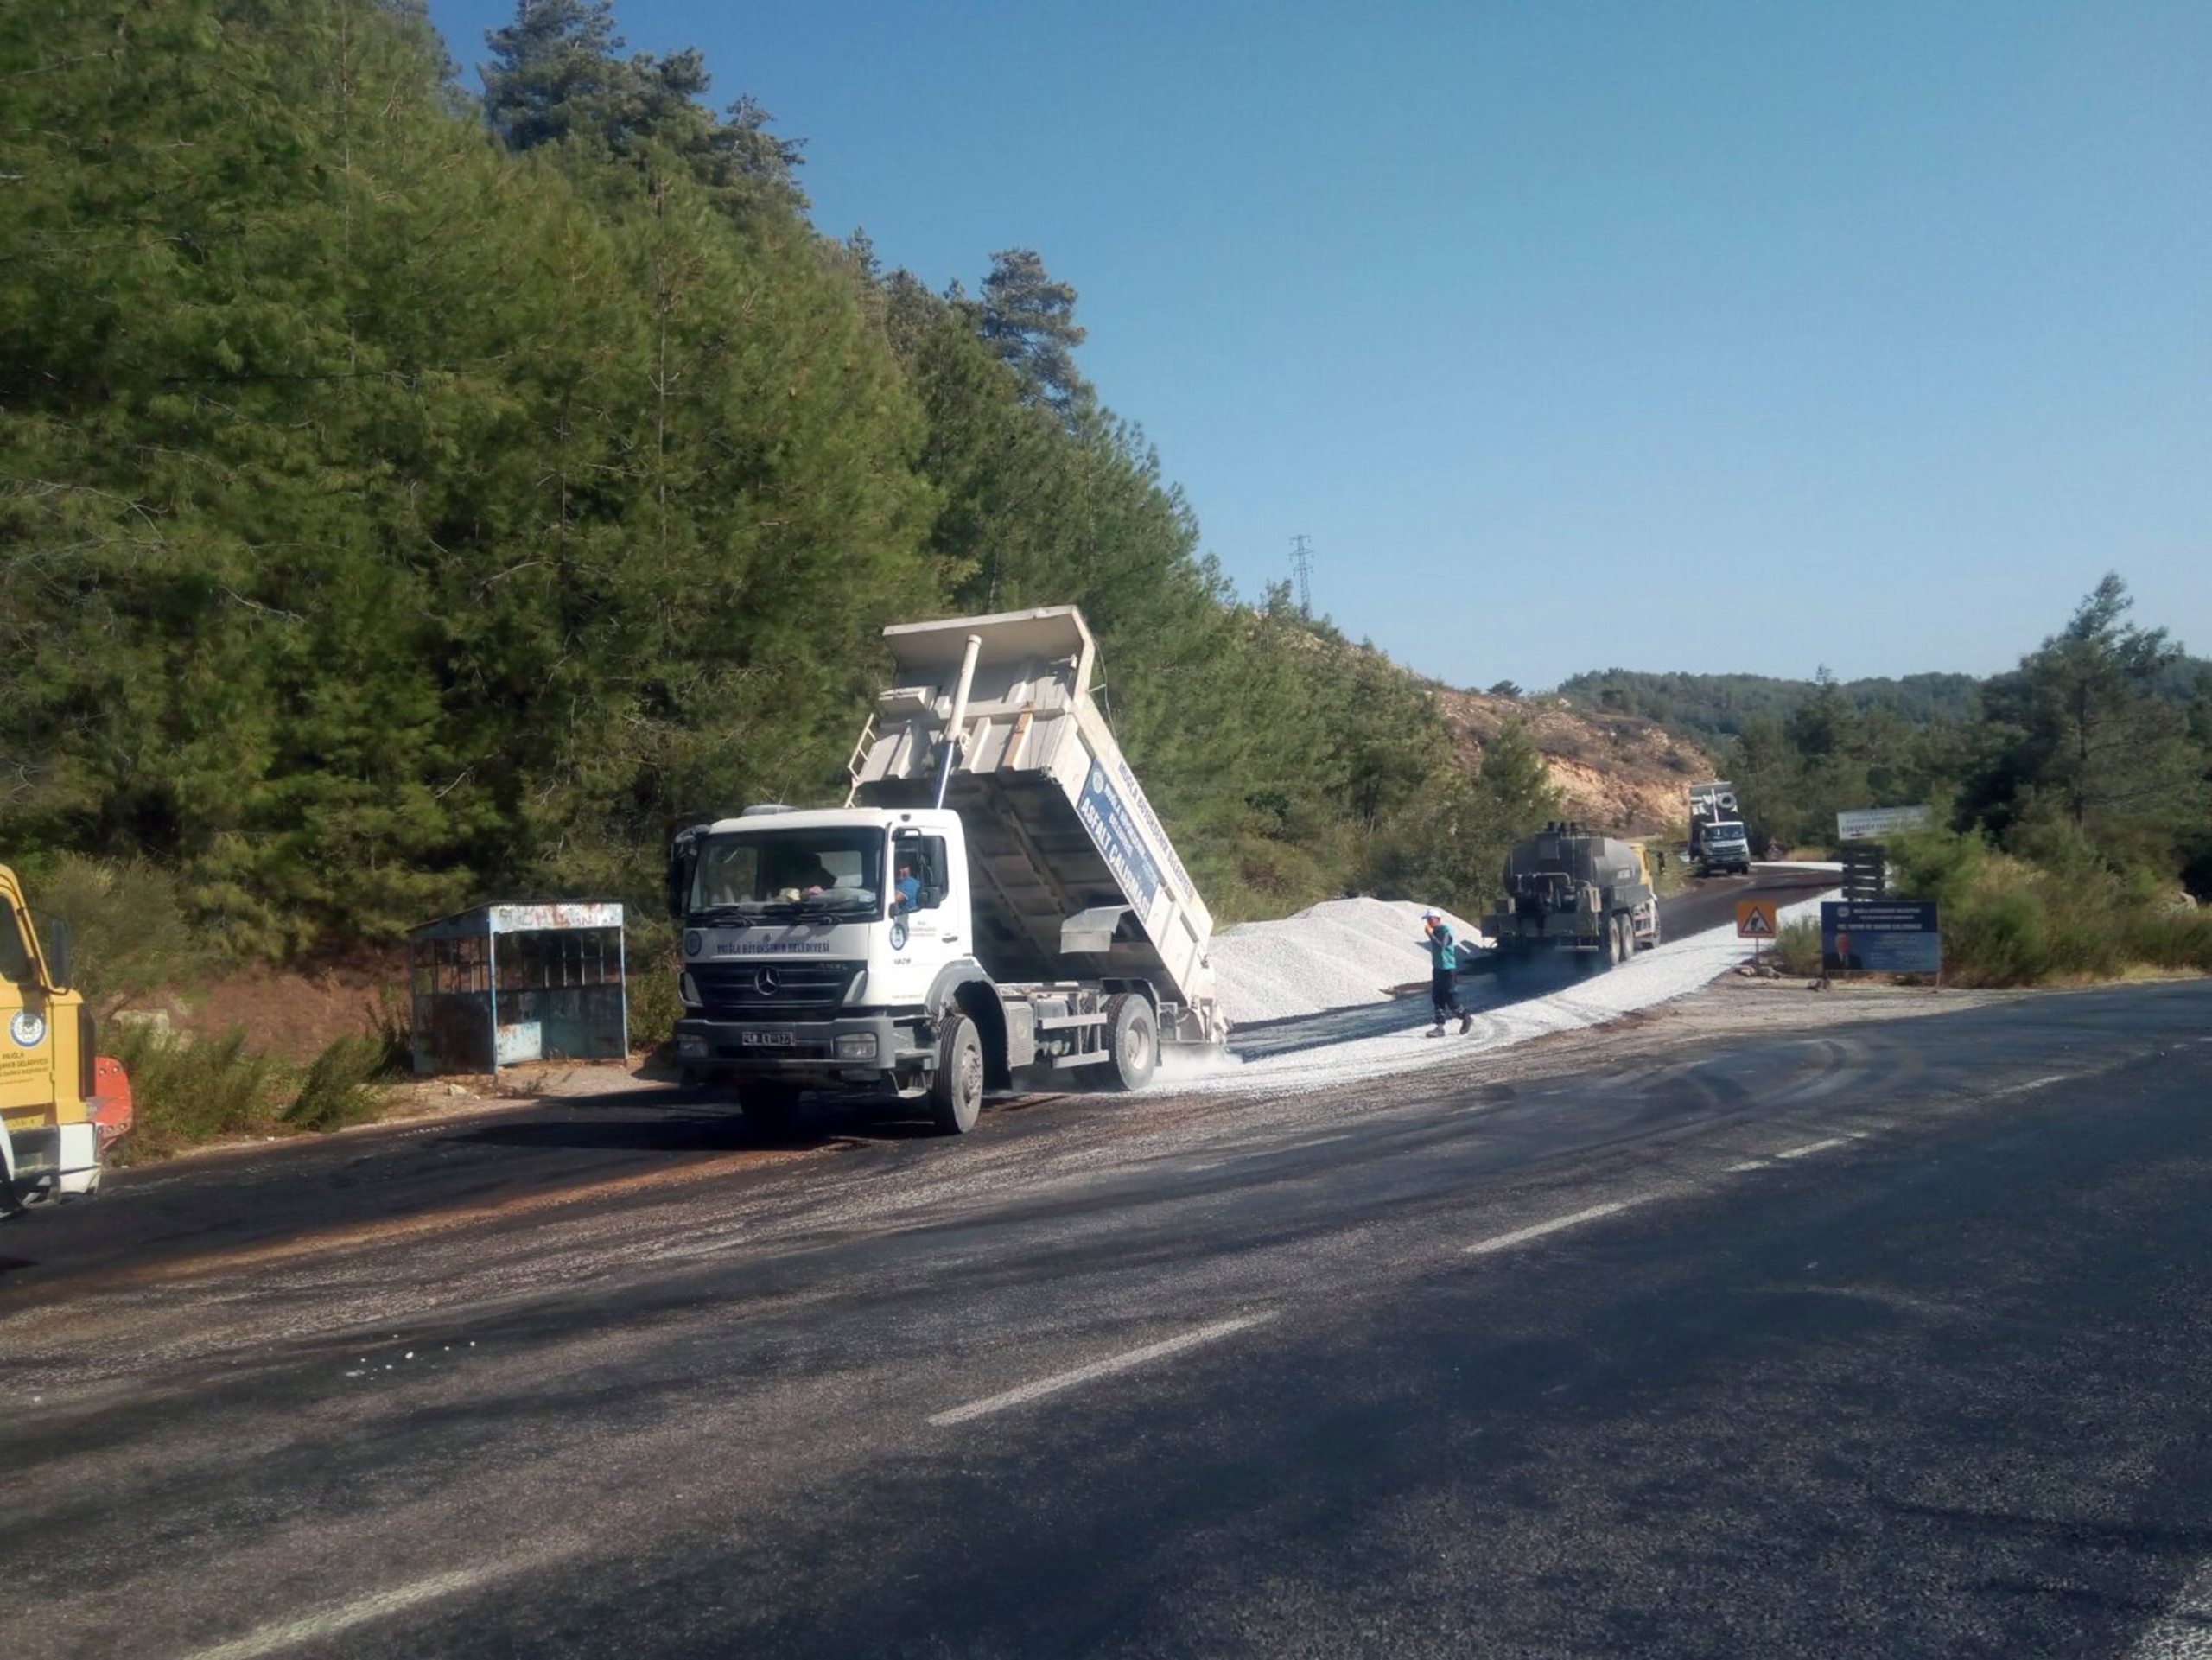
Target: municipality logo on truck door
(27,1030)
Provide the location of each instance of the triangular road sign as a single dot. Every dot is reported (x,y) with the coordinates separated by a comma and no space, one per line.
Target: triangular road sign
(1755,918)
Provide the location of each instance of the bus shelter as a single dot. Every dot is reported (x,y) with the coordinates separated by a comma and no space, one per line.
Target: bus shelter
(504,983)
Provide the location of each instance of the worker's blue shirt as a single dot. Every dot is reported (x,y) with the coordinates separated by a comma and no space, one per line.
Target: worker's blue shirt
(1443,949)
(910,893)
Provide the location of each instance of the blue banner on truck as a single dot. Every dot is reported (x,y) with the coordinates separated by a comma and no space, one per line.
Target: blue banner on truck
(1881,936)
(1119,844)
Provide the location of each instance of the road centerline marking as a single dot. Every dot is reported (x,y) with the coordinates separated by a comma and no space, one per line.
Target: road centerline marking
(1520,1236)
(1810,1147)
(1097,1369)
(345,1616)
(2033,1084)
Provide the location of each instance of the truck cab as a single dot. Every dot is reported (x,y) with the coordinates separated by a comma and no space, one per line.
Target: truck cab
(835,950)
(1723,846)
(60,1103)
(804,962)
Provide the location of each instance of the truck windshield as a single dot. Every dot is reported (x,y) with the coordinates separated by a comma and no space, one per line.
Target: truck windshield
(829,872)
(14,955)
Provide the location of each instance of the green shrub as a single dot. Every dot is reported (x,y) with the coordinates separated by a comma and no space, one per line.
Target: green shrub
(1797,948)
(654,1007)
(2009,922)
(185,1093)
(336,1090)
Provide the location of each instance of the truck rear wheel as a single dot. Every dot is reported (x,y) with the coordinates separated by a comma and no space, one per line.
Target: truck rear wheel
(1134,1035)
(956,1086)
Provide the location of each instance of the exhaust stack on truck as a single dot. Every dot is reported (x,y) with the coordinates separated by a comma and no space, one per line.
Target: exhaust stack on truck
(995,898)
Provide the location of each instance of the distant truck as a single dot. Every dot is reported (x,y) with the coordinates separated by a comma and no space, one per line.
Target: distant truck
(61,1103)
(996,897)
(1718,843)
(1570,892)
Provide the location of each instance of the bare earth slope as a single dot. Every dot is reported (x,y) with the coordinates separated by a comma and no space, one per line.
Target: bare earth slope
(1618,771)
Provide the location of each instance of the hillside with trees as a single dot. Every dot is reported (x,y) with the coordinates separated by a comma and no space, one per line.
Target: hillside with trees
(1715,707)
(408,497)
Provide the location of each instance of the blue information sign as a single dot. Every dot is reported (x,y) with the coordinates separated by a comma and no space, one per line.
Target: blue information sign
(1119,844)
(1882,936)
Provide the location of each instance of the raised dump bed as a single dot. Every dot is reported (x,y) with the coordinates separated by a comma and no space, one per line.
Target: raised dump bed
(1072,873)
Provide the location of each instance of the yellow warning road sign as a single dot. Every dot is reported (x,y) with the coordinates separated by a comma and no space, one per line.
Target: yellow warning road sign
(1755,918)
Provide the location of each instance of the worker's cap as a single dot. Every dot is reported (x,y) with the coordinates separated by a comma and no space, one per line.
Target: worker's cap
(1432,916)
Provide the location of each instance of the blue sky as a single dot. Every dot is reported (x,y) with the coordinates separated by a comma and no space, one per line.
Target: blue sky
(1721,337)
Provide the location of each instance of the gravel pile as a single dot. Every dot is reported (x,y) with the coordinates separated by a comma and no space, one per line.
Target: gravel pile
(1335,955)
(1674,969)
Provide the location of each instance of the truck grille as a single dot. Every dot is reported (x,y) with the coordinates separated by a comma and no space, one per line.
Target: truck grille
(784,991)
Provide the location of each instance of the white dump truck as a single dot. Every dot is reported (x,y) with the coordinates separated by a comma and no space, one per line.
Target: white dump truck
(1718,843)
(996,898)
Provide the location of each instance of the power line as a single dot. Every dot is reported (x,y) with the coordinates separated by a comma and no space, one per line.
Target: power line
(1301,567)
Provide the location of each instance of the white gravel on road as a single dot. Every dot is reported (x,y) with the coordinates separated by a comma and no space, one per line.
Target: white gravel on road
(1338,954)
(1674,970)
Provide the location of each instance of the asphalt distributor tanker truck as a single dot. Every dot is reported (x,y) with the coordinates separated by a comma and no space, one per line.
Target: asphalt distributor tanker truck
(995,900)
(1568,891)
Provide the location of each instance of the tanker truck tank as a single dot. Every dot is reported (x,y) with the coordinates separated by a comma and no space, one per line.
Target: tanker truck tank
(1567,890)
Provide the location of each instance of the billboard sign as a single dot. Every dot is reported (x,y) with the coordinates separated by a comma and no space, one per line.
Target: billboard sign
(1880,936)
(1867,823)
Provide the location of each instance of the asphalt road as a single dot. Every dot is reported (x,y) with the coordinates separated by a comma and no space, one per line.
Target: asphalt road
(1889,1338)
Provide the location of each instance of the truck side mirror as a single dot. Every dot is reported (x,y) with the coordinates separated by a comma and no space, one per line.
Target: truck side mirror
(58,954)
(683,859)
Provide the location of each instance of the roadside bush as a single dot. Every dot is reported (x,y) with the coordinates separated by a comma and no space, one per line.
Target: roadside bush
(654,1007)
(2007,922)
(1797,948)
(185,1093)
(337,1089)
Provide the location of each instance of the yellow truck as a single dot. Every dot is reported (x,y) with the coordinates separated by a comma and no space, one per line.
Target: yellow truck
(62,1104)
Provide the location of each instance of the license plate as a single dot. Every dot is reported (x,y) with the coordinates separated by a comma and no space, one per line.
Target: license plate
(766,1039)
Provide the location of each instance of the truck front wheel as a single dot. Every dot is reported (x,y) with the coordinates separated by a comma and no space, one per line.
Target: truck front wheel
(956,1086)
(1134,1035)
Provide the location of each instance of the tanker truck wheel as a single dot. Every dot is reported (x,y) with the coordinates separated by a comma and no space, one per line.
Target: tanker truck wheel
(956,1086)
(1134,1036)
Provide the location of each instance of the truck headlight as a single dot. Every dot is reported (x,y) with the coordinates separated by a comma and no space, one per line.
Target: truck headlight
(688,989)
(857,1046)
(690,1046)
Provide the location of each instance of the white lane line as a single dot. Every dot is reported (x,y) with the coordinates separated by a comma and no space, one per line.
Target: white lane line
(2185,1632)
(1107,1368)
(2032,1084)
(1815,1147)
(1749,1164)
(1506,1241)
(346,1615)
